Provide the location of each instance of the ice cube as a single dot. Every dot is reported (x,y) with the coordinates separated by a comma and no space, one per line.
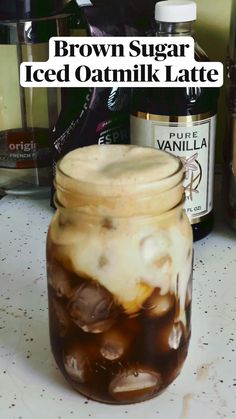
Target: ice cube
(175,335)
(168,336)
(92,307)
(189,293)
(177,365)
(142,291)
(155,246)
(114,343)
(135,384)
(60,279)
(158,305)
(62,319)
(77,364)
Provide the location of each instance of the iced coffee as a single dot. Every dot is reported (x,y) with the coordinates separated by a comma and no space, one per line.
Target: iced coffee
(119,261)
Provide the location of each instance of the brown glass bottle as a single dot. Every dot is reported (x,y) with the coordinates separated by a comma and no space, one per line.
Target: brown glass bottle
(181,117)
(229,149)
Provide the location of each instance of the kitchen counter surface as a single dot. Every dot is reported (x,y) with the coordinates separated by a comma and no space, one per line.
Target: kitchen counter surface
(31,387)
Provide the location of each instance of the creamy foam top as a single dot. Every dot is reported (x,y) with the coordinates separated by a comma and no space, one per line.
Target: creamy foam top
(118,165)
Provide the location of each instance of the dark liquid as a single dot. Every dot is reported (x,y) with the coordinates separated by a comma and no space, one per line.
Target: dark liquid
(106,354)
(179,102)
(229,178)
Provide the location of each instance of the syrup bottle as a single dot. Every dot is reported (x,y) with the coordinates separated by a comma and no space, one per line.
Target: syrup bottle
(181,121)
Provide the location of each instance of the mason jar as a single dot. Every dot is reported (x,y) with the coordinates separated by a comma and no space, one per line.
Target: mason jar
(119,261)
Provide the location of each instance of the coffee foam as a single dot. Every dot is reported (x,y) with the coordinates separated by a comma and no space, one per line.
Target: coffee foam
(119,166)
(119,180)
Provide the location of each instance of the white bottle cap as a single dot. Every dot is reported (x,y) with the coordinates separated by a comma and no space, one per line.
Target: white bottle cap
(84,2)
(176,11)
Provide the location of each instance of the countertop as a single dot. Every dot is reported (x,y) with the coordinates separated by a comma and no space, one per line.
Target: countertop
(31,387)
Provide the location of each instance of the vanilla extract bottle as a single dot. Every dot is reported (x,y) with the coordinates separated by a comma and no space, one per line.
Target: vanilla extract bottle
(181,121)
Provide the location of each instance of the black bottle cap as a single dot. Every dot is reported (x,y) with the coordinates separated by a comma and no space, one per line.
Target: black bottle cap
(15,10)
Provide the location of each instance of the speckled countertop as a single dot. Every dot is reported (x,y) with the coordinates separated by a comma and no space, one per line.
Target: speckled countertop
(31,387)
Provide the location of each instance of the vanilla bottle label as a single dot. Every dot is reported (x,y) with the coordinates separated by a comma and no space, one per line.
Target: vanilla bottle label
(192,139)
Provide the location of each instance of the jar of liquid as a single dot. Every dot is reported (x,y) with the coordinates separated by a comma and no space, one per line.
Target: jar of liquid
(119,262)
(27,114)
(181,121)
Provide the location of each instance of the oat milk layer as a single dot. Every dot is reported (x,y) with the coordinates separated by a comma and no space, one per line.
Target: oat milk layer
(122,222)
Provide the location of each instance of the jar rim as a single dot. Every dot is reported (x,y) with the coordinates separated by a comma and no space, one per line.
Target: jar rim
(155,196)
(112,188)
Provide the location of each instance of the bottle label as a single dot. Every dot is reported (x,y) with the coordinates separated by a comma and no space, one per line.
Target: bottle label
(192,139)
(27,149)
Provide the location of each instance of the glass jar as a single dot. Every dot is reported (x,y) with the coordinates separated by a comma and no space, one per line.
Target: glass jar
(28,115)
(119,260)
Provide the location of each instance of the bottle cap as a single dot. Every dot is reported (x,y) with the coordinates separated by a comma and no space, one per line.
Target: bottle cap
(176,11)
(15,10)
